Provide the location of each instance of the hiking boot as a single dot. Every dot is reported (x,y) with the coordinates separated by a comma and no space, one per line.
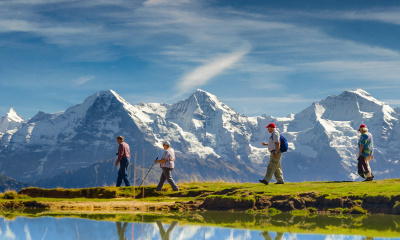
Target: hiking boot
(263,181)
(369,179)
(280,183)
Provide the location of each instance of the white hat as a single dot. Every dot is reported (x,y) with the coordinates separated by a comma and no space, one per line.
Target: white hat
(166,143)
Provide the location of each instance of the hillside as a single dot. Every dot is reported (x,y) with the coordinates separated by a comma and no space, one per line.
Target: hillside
(7,183)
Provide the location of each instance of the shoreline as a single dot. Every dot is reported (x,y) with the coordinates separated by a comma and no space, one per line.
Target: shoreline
(304,198)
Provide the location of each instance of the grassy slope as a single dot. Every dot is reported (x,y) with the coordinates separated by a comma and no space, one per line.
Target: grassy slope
(198,191)
(388,187)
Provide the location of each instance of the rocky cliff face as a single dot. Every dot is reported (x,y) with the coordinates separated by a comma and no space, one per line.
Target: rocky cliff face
(208,136)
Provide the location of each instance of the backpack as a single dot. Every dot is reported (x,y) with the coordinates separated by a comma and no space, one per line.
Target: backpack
(283,144)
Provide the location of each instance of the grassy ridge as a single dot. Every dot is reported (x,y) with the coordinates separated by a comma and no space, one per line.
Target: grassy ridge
(385,188)
(305,197)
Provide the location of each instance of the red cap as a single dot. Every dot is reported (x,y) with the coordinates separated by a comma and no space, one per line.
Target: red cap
(362,126)
(271,125)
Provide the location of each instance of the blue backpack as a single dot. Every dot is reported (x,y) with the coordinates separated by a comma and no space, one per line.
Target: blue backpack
(283,147)
(284,144)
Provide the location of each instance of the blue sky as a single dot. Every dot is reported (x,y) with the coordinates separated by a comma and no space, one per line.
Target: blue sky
(261,56)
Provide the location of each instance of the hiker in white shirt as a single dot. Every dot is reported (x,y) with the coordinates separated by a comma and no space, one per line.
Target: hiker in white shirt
(274,166)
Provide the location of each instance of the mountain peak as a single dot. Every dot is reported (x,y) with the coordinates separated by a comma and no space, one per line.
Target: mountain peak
(109,92)
(13,115)
(104,98)
(10,121)
(201,94)
(363,94)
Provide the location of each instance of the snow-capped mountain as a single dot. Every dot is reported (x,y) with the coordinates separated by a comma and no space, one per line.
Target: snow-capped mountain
(209,138)
(325,136)
(10,121)
(50,144)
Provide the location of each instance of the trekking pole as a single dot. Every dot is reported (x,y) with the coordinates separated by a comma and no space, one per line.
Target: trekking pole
(147,173)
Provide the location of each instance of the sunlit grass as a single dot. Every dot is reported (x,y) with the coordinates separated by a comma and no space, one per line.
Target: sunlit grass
(200,190)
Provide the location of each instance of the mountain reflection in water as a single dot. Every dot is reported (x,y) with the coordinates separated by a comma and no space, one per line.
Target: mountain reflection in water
(203,225)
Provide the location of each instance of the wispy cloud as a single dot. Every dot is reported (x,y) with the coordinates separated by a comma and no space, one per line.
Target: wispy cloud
(385,15)
(201,75)
(394,102)
(254,106)
(291,98)
(382,71)
(164,2)
(196,42)
(82,80)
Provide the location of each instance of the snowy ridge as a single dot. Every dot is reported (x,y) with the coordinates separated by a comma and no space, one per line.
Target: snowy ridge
(322,138)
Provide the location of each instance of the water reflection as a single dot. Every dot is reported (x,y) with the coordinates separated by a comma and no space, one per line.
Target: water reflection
(278,236)
(165,235)
(121,230)
(203,225)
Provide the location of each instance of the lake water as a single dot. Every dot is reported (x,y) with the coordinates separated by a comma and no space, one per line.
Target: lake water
(219,225)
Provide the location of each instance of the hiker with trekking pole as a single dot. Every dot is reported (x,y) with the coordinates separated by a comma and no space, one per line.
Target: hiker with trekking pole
(124,155)
(167,164)
(148,172)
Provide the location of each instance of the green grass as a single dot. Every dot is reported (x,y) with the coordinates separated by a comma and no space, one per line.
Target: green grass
(8,195)
(331,190)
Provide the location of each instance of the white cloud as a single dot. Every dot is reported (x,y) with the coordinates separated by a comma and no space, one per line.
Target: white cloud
(84,79)
(201,75)
(391,16)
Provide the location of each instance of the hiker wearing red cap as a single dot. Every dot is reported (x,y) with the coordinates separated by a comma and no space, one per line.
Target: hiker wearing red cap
(274,166)
(365,153)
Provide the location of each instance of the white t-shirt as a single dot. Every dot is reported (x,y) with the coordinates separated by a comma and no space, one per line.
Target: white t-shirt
(275,137)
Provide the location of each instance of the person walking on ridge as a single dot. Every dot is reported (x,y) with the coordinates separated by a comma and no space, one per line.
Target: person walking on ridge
(366,150)
(124,155)
(274,166)
(167,165)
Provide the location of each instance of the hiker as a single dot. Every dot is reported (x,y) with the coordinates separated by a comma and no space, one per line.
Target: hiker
(365,153)
(124,155)
(274,166)
(167,165)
